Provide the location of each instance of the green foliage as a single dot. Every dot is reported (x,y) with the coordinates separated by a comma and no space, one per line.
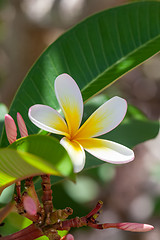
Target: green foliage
(47,148)
(134,129)
(31,156)
(15,223)
(95,53)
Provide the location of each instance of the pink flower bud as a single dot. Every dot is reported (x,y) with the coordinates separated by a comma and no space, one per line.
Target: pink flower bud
(11,129)
(21,125)
(29,205)
(135,227)
(68,237)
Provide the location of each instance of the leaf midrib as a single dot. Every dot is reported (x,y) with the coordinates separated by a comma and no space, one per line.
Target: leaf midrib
(116,63)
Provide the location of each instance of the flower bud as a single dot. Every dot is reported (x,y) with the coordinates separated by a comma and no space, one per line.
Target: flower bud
(135,227)
(29,205)
(68,237)
(21,125)
(11,129)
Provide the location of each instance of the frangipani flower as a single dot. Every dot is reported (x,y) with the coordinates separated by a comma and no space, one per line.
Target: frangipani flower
(77,138)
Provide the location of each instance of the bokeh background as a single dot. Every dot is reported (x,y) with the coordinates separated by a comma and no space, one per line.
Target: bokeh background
(130,192)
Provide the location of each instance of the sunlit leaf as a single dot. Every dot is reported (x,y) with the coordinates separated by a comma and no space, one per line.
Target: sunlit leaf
(47,148)
(35,155)
(15,222)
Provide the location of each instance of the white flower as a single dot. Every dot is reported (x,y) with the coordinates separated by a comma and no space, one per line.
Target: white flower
(77,138)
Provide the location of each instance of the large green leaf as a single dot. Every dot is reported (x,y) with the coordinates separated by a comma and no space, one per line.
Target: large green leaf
(34,155)
(95,53)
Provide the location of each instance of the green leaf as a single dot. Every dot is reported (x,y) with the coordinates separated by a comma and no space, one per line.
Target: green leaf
(95,53)
(34,155)
(6,195)
(134,129)
(14,223)
(133,132)
(47,148)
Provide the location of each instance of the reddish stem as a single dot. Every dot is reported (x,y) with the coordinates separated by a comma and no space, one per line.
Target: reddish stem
(103,226)
(29,185)
(47,197)
(30,233)
(18,190)
(95,210)
(72,223)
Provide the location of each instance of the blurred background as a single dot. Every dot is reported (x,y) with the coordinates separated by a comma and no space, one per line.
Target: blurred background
(130,192)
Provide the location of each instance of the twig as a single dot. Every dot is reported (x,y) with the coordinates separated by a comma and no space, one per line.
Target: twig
(47,197)
(30,233)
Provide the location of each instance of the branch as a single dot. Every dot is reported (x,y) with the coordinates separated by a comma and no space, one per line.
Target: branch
(30,233)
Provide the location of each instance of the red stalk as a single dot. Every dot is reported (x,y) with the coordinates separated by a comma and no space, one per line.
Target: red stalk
(30,233)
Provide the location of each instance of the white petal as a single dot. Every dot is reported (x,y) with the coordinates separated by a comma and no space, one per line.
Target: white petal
(48,119)
(76,153)
(70,99)
(104,119)
(107,151)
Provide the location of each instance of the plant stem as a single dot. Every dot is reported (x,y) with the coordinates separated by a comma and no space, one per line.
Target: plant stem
(29,186)
(18,190)
(30,233)
(47,197)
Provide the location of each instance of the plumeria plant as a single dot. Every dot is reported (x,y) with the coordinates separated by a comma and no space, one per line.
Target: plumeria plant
(52,137)
(47,221)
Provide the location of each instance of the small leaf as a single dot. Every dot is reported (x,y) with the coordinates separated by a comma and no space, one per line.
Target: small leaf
(6,196)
